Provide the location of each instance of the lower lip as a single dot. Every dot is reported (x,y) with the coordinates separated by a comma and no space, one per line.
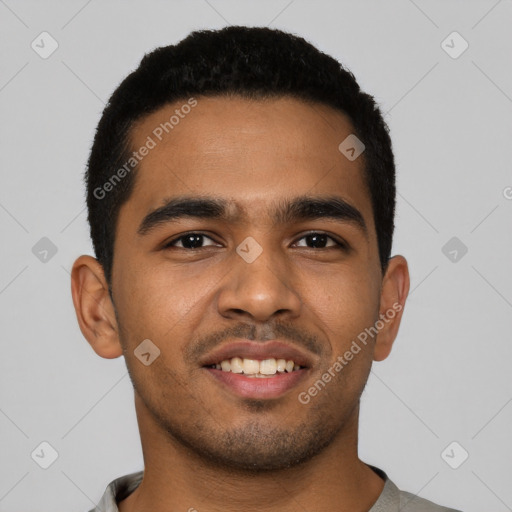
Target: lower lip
(259,388)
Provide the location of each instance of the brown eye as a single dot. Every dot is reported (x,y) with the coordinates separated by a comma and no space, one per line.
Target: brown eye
(190,241)
(318,241)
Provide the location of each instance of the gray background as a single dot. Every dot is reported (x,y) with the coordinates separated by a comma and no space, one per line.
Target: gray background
(448,377)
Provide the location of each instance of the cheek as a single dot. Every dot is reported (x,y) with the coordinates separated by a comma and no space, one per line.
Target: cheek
(164,308)
(163,302)
(344,302)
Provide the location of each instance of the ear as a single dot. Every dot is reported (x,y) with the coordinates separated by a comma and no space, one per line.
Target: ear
(394,291)
(94,308)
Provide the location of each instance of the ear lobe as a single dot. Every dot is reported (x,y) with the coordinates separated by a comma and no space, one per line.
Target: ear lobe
(395,288)
(94,308)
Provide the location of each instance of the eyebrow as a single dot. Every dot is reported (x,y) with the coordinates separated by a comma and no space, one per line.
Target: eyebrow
(285,212)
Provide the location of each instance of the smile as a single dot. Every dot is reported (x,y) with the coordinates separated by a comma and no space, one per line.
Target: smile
(253,367)
(257,379)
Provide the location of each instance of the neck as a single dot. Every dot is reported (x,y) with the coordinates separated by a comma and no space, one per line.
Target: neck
(176,478)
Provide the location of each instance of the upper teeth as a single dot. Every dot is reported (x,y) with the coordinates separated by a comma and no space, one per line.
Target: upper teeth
(253,366)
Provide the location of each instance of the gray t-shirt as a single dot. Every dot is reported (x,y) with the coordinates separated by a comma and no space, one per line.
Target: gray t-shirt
(391,498)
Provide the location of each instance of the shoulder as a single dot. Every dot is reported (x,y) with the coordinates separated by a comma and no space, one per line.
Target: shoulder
(118,490)
(411,503)
(392,499)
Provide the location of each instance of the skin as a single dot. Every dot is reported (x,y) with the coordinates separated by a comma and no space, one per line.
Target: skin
(205,448)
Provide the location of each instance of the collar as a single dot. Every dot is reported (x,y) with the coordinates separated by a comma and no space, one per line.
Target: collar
(122,487)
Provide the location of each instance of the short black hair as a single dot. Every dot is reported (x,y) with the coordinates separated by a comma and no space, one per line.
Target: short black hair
(255,63)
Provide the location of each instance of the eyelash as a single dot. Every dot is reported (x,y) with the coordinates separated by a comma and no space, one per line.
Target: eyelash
(339,244)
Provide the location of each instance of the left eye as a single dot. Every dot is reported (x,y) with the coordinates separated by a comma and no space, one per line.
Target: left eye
(319,241)
(190,241)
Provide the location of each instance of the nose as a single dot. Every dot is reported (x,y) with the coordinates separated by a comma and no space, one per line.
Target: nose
(259,290)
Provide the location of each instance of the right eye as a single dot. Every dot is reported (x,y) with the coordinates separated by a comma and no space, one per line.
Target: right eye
(190,241)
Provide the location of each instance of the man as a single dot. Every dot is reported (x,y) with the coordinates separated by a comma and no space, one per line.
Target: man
(241,195)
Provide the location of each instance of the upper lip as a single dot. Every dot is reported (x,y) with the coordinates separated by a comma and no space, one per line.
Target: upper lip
(258,350)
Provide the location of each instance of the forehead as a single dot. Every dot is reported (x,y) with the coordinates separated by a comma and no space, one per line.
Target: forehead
(252,152)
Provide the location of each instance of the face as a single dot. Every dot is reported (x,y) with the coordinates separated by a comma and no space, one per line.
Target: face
(248,234)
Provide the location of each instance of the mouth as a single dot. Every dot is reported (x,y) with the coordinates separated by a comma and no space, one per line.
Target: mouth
(258,386)
(264,369)
(258,370)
